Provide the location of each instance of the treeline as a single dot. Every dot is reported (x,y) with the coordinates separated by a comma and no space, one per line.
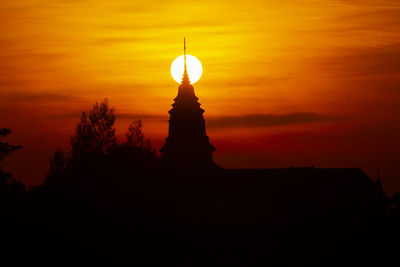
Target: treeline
(85,191)
(95,147)
(110,202)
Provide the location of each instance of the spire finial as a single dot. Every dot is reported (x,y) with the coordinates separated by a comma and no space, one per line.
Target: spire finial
(185,78)
(184,50)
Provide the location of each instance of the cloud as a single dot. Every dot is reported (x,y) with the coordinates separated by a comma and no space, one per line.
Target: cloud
(116,40)
(248,121)
(123,116)
(371,61)
(252,120)
(36,97)
(267,120)
(141,116)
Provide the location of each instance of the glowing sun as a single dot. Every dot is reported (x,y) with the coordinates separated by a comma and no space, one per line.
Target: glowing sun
(194,68)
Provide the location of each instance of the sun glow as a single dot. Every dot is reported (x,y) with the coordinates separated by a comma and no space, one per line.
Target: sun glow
(194,68)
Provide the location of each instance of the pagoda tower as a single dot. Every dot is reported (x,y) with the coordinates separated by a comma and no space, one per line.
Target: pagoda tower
(187,146)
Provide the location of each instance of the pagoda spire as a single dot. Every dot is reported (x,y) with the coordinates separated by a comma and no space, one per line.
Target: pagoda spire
(185,77)
(187,146)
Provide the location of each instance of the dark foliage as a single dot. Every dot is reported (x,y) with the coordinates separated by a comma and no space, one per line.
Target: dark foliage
(10,189)
(5,148)
(11,193)
(109,203)
(94,134)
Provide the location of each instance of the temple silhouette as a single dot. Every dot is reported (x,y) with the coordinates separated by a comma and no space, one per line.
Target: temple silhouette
(188,149)
(187,146)
(290,211)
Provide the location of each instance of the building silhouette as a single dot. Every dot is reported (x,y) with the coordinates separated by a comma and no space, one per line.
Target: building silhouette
(187,146)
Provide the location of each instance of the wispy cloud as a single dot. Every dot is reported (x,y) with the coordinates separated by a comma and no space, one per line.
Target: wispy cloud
(235,121)
(141,116)
(123,116)
(268,120)
(36,97)
(368,61)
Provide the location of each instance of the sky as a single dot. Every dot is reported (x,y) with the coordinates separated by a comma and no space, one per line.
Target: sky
(285,83)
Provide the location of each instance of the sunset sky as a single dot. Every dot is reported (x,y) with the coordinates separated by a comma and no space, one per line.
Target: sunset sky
(285,83)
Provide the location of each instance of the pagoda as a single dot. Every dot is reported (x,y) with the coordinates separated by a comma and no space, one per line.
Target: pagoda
(187,146)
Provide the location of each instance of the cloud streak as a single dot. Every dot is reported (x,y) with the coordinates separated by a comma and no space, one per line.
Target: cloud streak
(37,97)
(239,121)
(268,120)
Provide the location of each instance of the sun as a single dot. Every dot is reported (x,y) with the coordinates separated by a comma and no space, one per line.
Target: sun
(194,68)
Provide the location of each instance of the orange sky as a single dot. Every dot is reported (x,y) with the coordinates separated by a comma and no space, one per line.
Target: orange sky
(320,78)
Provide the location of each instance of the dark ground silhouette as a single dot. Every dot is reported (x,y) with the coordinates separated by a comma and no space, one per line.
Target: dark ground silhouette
(112,203)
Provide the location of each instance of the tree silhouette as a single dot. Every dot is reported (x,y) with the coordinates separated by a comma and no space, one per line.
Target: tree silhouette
(5,148)
(95,133)
(10,189)
(136,150)
(135,136)
(96,159)
(58,162)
